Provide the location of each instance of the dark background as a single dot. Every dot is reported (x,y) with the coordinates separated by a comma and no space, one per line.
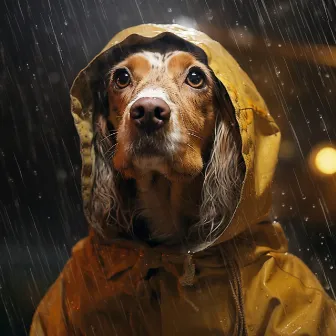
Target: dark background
(288,49)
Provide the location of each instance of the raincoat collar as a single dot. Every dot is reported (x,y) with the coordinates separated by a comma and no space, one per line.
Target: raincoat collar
(117,256)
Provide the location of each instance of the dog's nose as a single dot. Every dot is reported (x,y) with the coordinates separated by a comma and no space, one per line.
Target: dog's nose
(150,114)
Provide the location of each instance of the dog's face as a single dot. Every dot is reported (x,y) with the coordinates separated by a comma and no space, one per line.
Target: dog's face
(162,108)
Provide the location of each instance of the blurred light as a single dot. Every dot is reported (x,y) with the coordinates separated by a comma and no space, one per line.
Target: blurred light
(325,160)
(241,36)
(287,150)
(186,22)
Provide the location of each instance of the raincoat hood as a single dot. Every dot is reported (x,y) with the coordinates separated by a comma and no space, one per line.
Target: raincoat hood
(246,284)
(260,134)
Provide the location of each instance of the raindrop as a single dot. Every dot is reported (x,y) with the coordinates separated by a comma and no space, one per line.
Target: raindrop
(279,45)
(283,193)
(306,219)
(54,77)
(61,175)
(65,23)
(331,267)
(209,15)
(314,206)
(327,75)
(304,197)
(170,10)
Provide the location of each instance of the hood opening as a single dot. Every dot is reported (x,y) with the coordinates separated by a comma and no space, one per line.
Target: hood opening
(165,43)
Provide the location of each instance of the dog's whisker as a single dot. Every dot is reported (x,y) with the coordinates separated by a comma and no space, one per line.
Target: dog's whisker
(108,136)
(110,149)
(191,147)
(194,135)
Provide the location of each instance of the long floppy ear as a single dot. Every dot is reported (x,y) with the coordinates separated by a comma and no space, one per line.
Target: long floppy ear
(106,206)
(224,173)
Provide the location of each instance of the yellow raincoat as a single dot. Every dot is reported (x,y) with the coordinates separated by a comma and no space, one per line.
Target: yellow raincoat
(244,284)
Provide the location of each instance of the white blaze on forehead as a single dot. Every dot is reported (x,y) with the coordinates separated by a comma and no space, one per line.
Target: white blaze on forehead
(154,58)
(152,93)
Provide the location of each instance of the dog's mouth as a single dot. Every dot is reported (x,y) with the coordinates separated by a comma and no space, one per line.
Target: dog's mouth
(147,145)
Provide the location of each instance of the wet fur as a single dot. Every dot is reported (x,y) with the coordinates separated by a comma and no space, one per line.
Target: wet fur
(153,200)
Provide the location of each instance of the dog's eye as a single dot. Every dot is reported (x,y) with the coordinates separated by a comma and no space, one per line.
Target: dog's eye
(122,78)
(195,78)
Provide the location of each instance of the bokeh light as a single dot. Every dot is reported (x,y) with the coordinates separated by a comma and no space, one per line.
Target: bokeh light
(325,160)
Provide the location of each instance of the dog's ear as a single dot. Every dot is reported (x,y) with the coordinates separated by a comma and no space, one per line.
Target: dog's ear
(106,201)
(224,172)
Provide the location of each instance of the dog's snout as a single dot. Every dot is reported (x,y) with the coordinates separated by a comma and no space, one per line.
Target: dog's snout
(150,114)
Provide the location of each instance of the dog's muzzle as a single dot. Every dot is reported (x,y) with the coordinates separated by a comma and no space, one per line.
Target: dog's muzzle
(149,114)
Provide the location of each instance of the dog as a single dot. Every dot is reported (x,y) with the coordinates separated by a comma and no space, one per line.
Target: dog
(171,130)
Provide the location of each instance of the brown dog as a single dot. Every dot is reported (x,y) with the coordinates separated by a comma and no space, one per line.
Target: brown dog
(164,108)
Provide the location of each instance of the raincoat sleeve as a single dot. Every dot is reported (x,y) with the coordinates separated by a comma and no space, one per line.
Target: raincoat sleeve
(51,316)
(285,298)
